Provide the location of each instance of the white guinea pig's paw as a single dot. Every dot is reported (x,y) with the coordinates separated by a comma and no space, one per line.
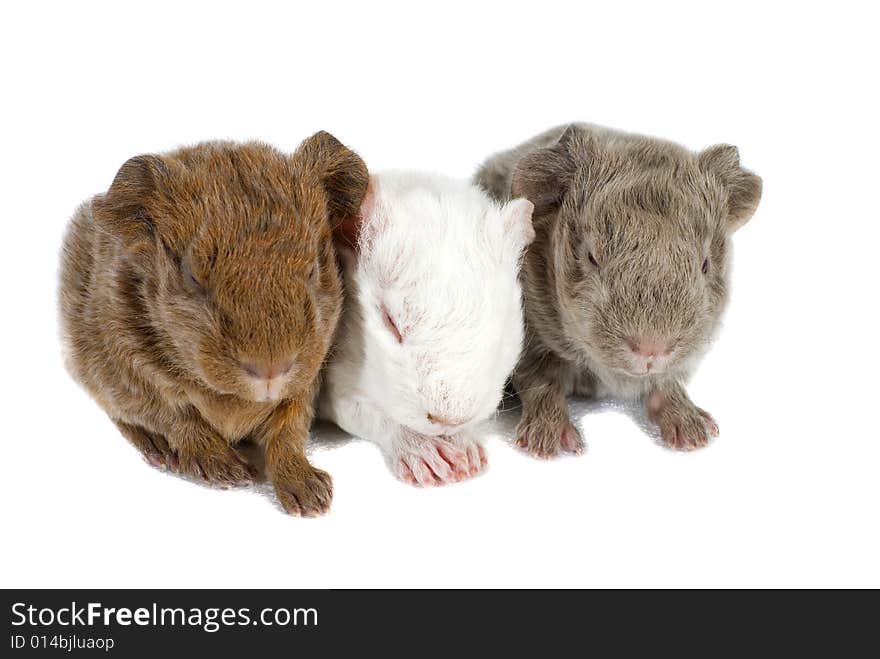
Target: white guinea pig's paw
(683,426)
(547,436)
(427,461)
(473,449)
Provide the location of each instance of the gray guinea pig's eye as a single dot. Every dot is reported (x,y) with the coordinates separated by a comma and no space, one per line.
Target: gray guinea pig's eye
(592,260)
(706,266)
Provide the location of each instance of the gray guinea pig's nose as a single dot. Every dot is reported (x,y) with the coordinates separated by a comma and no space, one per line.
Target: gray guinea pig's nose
(649,346)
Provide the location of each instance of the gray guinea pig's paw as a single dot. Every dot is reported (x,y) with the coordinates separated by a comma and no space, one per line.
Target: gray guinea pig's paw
(683,426)
(307,495)
(548,436)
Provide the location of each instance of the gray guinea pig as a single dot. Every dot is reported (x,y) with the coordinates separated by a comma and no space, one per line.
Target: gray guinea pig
(626,280)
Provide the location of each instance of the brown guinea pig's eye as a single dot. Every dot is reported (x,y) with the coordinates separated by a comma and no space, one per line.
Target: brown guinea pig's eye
(706,266)
(192,281)
(592,260)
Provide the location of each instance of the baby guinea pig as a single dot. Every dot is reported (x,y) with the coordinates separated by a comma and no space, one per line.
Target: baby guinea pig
(627,278)
(198,299)
(432,325)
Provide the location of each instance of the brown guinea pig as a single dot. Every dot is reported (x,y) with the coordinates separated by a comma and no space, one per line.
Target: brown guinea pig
(198,299)
(626,280)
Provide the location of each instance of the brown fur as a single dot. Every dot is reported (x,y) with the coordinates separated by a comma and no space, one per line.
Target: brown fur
(192,264)
(652,215)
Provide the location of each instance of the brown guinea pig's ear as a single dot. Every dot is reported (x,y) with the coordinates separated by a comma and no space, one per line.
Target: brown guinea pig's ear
(341,171)
(124,210)
(349,230)
(543,176)
(742,186)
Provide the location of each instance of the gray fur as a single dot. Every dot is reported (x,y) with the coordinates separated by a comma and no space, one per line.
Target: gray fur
(652,214)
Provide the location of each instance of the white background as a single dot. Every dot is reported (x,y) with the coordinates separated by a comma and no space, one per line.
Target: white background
(788,495)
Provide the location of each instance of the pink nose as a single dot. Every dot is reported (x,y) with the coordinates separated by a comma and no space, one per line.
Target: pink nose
(266,370)
(439,420)
(648,346)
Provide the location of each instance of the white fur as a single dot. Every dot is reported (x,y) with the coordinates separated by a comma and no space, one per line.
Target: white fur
(443,259)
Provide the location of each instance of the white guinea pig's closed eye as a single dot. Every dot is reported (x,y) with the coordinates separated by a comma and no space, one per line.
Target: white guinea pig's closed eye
(390,324)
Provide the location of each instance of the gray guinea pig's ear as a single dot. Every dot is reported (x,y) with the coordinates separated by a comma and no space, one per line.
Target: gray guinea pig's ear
(742,186)
(125,210)
(341,171)
(545,175)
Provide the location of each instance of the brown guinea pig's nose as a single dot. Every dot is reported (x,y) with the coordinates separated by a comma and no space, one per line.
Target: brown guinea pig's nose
(649,346)
(266,370)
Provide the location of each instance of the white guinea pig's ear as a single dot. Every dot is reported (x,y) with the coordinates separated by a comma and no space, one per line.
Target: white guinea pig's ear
(742,186)
(516,218)
(350,230)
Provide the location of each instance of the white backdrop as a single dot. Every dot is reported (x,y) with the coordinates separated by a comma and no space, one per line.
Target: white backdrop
(788,495)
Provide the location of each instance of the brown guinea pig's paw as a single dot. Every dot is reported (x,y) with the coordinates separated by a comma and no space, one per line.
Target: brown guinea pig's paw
(151,445)
(546,436)
(683,425)
(307,493)
(220,465)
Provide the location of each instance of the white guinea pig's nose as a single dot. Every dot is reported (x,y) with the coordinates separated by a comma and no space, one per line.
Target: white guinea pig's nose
(448,422)
(649,346)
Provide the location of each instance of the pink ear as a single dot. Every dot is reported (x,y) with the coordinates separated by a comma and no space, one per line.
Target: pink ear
(517,216)
(349,230)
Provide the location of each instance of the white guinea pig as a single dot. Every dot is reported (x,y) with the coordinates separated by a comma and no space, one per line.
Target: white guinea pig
(432,323)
